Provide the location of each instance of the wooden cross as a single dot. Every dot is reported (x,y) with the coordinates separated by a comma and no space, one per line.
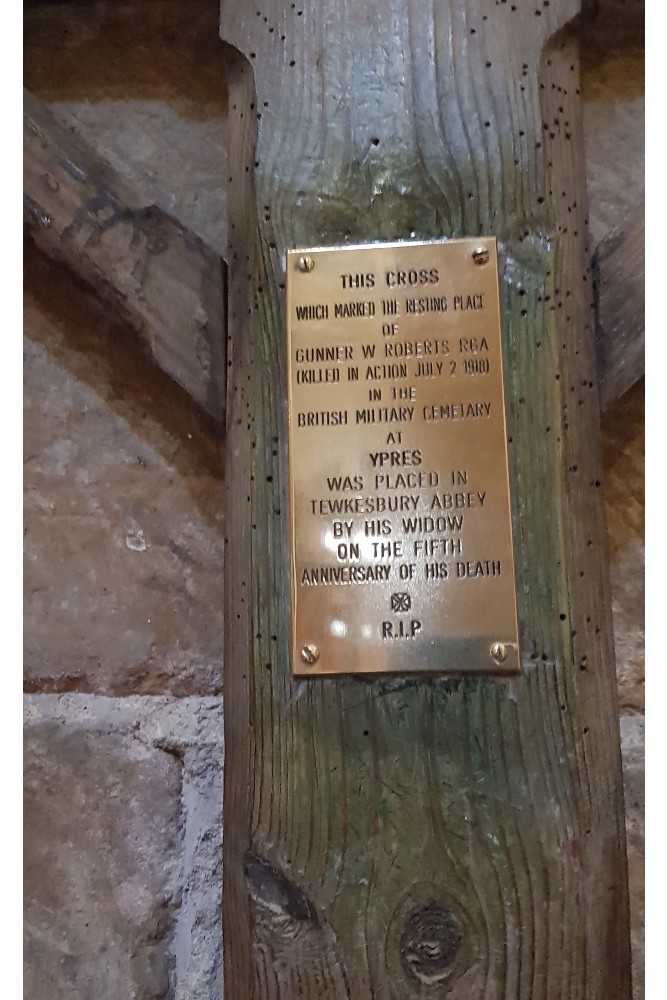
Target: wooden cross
(420,837)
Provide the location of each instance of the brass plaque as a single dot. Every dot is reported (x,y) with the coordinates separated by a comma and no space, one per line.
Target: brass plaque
(400,525)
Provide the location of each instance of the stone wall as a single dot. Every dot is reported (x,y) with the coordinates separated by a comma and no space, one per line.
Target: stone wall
(123,633)
(123,543)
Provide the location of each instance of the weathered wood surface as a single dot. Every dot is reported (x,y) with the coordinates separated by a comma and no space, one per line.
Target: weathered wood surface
(618,270)
(408,837)
(161,278)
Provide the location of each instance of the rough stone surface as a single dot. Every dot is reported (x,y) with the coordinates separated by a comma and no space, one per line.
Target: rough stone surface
(632,745)
(123,523)
(123,825)
(612,91)
(146,84)
(102,817)
(623,455)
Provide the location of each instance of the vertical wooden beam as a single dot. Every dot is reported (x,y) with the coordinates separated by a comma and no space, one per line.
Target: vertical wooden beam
(398,838)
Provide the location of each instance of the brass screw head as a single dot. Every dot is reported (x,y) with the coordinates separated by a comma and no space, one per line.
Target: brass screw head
(310,653)
(480,255)
(305,263)
(499,652)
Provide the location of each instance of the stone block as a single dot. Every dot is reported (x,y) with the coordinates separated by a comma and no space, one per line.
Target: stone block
(632,745)
(123,509)
(123,848)
(102,846)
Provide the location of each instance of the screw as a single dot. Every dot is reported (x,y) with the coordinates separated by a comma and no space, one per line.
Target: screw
(310,653)
(306,263)
(499,652)
(480,255)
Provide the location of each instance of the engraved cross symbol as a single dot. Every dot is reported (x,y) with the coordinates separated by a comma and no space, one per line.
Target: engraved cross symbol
(400,602)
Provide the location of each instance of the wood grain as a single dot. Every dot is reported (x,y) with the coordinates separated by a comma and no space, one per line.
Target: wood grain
(618,271)
(398,838)
(162,279)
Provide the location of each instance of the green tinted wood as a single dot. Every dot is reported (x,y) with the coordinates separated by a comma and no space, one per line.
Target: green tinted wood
(420,837)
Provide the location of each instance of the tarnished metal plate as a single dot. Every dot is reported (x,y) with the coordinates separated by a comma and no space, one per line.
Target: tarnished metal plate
(400,526)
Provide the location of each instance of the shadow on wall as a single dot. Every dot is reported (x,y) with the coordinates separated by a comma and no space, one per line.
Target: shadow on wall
(115,50)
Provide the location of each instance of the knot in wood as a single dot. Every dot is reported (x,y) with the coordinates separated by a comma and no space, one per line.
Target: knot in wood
(429,943)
